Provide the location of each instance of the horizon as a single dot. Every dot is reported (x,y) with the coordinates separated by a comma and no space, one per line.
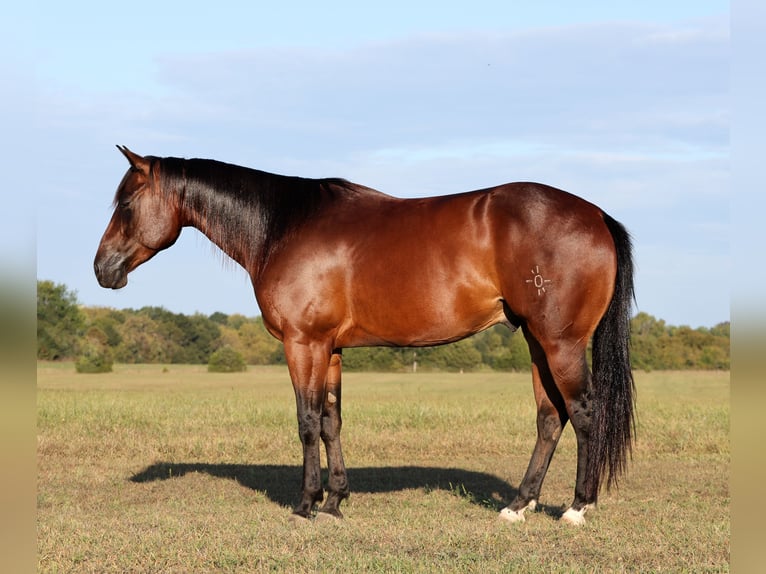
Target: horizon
(82,305)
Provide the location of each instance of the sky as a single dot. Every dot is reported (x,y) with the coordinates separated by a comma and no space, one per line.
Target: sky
(623,103)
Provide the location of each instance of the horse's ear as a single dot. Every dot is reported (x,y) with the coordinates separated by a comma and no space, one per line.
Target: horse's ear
(137,162)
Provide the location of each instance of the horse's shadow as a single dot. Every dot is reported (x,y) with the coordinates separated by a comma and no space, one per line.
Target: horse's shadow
(280,483)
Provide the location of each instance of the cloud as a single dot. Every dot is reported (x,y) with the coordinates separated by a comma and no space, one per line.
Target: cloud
(595,86)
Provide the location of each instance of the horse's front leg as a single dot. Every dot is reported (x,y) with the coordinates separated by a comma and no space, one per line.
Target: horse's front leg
(337,487)
(308,364)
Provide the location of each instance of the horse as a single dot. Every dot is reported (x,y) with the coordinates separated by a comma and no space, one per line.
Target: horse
(336,265)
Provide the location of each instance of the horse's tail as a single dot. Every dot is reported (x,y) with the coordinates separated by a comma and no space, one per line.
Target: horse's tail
(612,421)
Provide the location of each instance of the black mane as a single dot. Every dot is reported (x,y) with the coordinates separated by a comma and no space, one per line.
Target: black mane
(247,210)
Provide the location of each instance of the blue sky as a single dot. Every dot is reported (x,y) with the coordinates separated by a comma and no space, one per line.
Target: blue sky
(623,103)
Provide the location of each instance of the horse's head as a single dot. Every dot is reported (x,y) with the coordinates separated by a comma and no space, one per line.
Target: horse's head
(145,221)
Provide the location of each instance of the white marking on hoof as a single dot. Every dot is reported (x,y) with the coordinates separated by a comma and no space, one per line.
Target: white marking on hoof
(575,517)
(512,516)
(509,515)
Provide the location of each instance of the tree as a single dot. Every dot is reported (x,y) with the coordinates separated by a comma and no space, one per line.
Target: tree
(503,349)
(109,321)
(517,355)
(220,318)
(191,338)
(257,345)
(226,360)
(657,346)
(201,339)
(143,342)
(60,323)
(95,355)
(155,335)
(375,359)
(460,356)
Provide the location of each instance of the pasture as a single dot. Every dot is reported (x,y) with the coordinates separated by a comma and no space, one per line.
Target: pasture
(173,469)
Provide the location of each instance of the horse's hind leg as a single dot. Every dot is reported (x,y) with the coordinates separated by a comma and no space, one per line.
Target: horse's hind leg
(569,370)
(337,487)
(568,385)
(578,384)
(551,418)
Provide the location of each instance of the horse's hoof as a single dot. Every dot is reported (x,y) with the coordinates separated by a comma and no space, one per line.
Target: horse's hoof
(328,518)
(574,517)
(298,520)
(513,516)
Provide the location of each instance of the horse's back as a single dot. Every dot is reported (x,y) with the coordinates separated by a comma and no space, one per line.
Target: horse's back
(375,269)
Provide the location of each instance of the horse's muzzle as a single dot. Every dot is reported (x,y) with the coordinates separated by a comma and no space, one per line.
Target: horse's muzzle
(110,273)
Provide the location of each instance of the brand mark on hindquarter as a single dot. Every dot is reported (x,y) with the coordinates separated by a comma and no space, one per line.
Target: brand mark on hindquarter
(538,280)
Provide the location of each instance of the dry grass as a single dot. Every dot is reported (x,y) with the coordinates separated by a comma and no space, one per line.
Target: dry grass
(184,471)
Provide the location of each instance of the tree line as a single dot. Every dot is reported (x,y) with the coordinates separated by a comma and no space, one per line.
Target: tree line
(67,330)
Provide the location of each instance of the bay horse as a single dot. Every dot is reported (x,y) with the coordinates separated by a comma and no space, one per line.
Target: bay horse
(337,265)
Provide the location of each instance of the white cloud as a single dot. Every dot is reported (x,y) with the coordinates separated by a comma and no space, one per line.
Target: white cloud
(596,85)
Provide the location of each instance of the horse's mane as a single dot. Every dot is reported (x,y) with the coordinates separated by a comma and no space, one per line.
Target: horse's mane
(247,211)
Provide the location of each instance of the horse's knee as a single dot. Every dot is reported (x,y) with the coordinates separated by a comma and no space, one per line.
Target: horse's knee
(332,421)
(309,427)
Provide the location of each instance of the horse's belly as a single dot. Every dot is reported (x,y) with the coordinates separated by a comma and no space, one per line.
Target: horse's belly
(420,323)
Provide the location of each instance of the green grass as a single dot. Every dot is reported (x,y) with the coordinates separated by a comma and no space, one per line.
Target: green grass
(174,469)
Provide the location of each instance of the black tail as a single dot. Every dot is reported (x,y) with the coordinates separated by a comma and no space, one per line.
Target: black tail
(612,422)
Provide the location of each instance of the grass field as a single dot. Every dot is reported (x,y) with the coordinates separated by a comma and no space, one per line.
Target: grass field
(153,469)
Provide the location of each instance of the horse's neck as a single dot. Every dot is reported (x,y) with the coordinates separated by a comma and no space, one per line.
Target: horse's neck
(235,231)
